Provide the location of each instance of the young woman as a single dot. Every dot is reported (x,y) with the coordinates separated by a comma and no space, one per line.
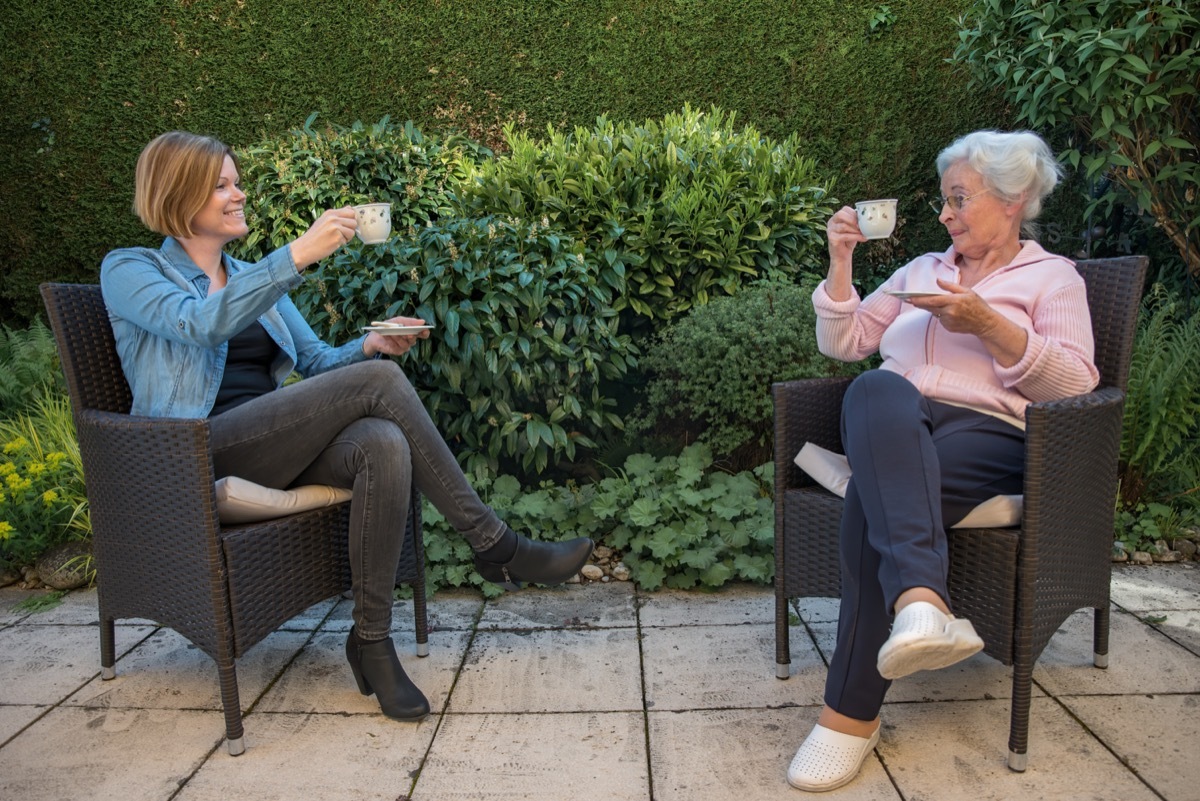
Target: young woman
(201,334)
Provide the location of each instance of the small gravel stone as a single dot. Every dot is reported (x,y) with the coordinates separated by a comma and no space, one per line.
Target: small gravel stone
(592,572)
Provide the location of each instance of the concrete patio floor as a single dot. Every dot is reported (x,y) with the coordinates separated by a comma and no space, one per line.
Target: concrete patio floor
(594,692)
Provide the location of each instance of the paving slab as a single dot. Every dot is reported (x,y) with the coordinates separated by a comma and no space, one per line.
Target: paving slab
(311,618)
(1182,627)
(817,610)
(320,680)
(1139,588)
(958,750)
(569,606)
(978,678)
(590,691)
(1140,660)
(14,717)
(108,754)
(167,671)
(730,605)
(454,609)
(43,664)
(553,670)
(742,755)
(340,618)
(715,667)
(294,757)
(1156,735)
(598,756)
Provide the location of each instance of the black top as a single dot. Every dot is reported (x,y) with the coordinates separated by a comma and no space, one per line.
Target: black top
(247,368)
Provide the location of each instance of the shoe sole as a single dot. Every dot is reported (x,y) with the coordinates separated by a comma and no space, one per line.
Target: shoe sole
(900,659)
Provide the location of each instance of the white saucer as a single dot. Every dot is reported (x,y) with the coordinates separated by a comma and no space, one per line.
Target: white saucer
(906,295)
(397,330)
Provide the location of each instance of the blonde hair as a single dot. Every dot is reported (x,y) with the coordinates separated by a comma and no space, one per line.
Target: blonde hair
(176,174)
(1011,164)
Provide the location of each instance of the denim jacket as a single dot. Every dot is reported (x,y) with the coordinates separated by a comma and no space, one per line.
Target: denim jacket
(173,338)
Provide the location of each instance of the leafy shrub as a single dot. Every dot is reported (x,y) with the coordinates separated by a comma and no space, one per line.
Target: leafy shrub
(710,372)
(28,367)
(671,213)
(523,333)
(42,498)
(1160,437)
(1122,74)
(290,180)
(678,521)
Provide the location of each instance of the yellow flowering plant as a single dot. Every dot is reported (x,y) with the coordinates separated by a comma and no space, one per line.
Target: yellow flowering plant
(42,501)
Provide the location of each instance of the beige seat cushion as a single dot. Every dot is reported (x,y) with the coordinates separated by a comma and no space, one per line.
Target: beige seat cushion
(832,471)
(242,501)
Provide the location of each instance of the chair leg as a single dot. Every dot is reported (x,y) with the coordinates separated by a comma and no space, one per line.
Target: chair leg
(421,616)
(108,650)
(1018,734)
(234,733)
(783,648)
(1100,637)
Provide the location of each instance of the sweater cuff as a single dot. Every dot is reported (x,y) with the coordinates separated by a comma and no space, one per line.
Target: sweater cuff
(828,307)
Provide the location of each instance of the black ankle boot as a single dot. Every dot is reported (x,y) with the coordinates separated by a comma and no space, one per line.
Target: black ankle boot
(377,670)
(537,562)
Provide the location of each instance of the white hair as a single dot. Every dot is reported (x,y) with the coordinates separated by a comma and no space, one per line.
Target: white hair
(1012,165)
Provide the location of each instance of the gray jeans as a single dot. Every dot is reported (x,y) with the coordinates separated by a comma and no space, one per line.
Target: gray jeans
(364,428)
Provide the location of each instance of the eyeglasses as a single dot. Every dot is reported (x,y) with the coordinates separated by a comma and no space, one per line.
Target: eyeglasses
(954,201)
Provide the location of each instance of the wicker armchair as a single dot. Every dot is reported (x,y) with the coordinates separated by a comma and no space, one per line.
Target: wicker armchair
(1016,585)
(161,553)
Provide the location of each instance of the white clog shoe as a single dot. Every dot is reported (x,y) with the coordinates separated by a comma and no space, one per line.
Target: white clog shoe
(926,638)
(828,759)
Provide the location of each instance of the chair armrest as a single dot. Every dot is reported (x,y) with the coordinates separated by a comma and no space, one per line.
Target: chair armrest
(808,410)
(150,490)
(1072,447)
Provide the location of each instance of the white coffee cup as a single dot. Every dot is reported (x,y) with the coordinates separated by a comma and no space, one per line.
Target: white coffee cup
(876,218)
(374,222)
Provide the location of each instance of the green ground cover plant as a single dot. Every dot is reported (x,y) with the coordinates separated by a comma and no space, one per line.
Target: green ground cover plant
(671,213)
(679,522)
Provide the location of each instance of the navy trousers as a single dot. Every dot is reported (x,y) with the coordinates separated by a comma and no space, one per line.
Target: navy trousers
(918,466)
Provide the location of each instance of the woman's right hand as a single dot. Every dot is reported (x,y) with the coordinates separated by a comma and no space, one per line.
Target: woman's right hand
(331,230)
(843,234)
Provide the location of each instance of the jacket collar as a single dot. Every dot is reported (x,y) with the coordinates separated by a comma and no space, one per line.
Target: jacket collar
(180,260)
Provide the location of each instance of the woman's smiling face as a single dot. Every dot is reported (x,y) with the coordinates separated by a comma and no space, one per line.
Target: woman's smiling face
(984,222)
(223,216)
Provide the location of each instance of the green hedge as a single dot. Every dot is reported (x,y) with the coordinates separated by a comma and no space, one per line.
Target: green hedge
(86,85)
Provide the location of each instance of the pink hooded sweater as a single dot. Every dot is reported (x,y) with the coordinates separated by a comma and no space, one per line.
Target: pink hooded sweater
(1038,291)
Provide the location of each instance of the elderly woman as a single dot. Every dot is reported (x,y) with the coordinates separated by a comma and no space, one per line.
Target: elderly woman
(201,334)
(940,427)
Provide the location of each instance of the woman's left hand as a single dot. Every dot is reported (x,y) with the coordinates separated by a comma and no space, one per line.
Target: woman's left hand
(962,311)
(395,345)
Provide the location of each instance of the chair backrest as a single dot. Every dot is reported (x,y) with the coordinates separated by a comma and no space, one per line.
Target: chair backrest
(86,347)
(1114,292)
